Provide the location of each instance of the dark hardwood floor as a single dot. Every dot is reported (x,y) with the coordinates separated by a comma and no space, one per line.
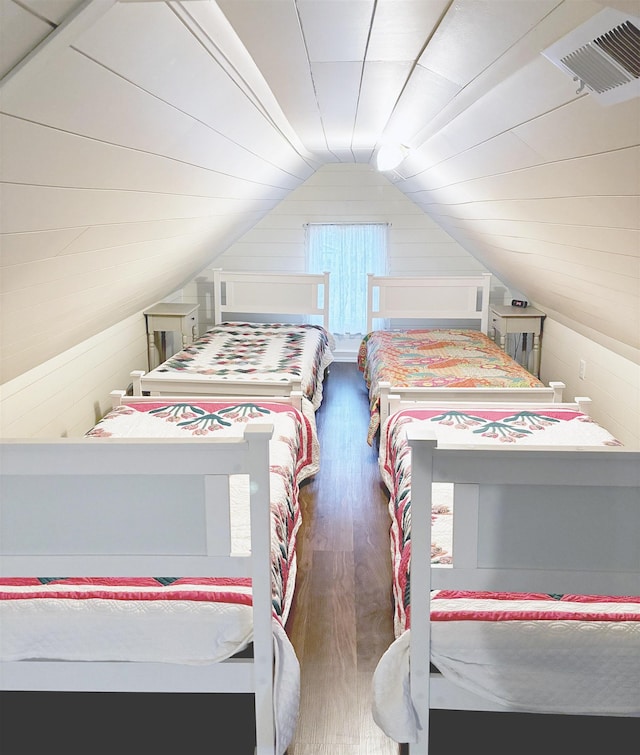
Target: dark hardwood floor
(340,624)
(341,620)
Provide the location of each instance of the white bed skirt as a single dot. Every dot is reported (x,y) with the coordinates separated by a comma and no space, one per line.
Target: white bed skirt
(167,631)
(567,667)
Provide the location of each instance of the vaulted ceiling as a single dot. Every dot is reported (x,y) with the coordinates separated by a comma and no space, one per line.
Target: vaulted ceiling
(141,138)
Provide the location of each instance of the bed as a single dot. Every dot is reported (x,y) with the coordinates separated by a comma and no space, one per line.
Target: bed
(532,521)
(158,487)
(254,355)
(451,350)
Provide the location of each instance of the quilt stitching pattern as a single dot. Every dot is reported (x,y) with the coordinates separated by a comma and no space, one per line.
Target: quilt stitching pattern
(256,351)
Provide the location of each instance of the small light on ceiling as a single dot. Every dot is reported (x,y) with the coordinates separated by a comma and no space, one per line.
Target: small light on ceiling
(390,156)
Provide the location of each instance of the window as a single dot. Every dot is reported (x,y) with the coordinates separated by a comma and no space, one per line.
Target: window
(348,253)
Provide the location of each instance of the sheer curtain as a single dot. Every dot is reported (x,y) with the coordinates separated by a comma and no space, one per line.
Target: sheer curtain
(348,252)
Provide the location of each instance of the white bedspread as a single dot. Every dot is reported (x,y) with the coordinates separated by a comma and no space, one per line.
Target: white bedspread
(546,666)
(167,631)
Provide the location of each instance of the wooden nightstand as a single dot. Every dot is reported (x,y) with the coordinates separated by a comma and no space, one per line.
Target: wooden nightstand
(506,319)
(167,316)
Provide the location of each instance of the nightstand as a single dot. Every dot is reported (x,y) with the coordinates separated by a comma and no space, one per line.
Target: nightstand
(506,319)
(168,316)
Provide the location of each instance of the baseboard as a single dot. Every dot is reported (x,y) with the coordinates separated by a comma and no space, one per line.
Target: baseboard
(345,355)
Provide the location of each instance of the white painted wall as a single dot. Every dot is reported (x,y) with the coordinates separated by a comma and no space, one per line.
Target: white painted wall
(610,380)
(349,193)
(67,395)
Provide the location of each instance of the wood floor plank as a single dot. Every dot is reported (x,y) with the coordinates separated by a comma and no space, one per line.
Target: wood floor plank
(331,626)
(331,525)
(373,741)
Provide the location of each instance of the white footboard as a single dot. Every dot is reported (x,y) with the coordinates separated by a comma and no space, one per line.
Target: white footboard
(184,384)
(525,520)
(113,507)
(393,397)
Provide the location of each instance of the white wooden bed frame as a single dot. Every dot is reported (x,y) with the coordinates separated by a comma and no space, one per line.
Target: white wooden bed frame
(132,475)
(213,387)
(246,293)
(454,297)
(571,482)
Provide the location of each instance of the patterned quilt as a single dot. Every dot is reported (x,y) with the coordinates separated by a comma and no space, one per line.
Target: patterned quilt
(137,613)
(528,426)
(435,358)
(259,351)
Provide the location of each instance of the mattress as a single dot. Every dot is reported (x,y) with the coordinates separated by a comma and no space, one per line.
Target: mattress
(448,357)
(258,351)
(176,619)
(532,652)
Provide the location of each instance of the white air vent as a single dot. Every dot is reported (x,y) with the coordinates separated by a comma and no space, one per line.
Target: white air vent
(603,54)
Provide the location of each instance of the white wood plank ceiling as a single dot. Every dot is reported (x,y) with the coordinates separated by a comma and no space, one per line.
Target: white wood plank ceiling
(141,138)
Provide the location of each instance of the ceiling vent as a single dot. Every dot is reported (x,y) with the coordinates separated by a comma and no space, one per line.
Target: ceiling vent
(603,55)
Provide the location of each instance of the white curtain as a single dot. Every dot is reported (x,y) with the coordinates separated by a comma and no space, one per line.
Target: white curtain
(349,253)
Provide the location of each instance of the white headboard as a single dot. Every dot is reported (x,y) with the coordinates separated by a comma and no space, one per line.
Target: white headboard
(453,297)
(271,293)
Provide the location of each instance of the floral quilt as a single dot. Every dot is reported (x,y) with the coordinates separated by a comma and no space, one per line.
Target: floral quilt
(435,358)
(294,456)
(144,615)
(529,426)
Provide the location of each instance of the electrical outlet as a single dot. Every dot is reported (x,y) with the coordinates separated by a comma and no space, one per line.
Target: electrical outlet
(582,370)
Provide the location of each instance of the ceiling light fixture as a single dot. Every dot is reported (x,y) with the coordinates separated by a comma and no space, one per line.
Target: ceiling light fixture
(390,156)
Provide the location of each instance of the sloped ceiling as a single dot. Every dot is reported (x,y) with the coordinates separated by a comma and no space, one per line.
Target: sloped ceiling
(141,138)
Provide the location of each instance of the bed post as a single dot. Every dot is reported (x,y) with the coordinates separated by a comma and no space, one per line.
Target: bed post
(422,448)
(135,379)
(486,293)
(117,397)
(369,302)
(325,300)
(558,389)
(384,386)
(296,399)
(217,296)
(584,404)
(258,436)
